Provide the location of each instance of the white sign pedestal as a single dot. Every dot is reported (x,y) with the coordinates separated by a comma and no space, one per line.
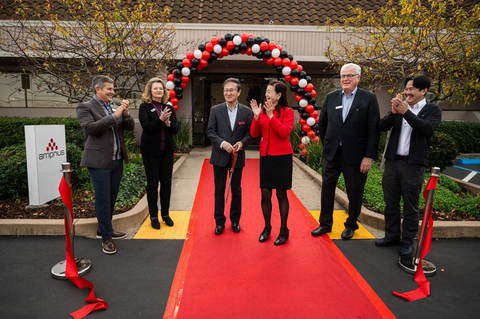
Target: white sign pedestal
(46,150)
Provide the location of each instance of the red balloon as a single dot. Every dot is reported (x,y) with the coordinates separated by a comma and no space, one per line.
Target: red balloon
(209,47)
(302,121)
(279,47)
(170,77)
(175,107)
(249,51)
(309,87)
(199,67)
(286,62)
(190,55)
(305,152)
(225,52)
(263,46)
(230,45)
(184,79)
(214,41)
(306,128)
(277,61)
(272,45)
(251,36)
(311,134)
(203,63)
(298,97)
(294,81)
(220,55)
(174,101)
(183,85)
(302,146)
(309,108)
(300,68)
(243,51)
(206,55)
(316,139)
(314,114)
(270,61)
(293,64)
(187,63)
(287,78)
(244,37)
(171,93)
(314,93)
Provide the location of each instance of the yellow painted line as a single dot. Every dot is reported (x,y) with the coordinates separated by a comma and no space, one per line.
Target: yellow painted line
(339,218)
(178,231)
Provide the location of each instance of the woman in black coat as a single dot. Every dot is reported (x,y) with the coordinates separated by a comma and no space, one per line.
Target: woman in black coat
(159,122)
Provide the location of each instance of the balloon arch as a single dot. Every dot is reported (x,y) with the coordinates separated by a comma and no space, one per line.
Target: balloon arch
(261,48)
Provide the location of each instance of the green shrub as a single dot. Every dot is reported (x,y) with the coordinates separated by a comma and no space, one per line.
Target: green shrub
(443,151)
(182,138)
(295,137)
(465,134)
(13,172)
(314,155)
(133,184)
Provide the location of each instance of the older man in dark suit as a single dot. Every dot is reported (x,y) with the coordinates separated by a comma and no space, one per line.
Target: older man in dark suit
(349,132)
(103,124)
(229,131)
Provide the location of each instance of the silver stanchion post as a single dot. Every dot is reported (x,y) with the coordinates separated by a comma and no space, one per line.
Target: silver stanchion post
(410,264)
(83,265)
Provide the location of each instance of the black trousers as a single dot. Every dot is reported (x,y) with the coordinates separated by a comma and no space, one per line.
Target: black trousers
(158,169)
(402,180)
(220,177)
(354,182)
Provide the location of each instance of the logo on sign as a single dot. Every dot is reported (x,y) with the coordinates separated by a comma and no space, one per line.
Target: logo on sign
(51,151)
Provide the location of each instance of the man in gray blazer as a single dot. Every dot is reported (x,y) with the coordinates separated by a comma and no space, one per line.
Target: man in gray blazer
(349,132)
(229,131)
(103,124)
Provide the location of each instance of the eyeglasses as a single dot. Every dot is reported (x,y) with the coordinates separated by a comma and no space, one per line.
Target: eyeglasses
(229,90)
(347,76)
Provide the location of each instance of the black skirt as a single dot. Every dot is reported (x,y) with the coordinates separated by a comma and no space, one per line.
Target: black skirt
(276,172)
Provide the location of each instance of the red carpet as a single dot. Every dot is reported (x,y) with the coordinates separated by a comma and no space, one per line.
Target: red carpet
(235,276)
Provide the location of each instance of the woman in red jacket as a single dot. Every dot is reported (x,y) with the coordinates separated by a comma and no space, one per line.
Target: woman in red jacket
(274,123)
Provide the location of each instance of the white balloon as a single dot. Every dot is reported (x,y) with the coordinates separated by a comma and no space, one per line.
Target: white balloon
(286,70)
(237,40)
(311,121)
(186,71)
(170,85)
(305,140)
(303,103)
(255,48)
(197,54)
(217,48)
(275,53)
(302,83)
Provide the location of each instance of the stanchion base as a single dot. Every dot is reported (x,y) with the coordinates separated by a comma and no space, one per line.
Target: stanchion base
(83,267)
(408,265)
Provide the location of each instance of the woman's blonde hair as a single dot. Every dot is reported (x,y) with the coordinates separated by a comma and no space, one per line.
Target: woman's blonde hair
(147,93)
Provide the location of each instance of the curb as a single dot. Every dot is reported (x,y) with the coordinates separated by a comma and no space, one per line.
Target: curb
(441,229)
(84,227)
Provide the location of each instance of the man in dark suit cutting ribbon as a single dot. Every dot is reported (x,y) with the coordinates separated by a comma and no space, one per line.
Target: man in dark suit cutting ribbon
(349,132)
(229,131)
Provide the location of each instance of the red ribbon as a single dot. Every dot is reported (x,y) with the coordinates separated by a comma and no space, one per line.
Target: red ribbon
(71,271)
(424,289)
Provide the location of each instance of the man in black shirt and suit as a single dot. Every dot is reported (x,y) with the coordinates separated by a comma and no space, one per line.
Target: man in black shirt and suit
(349,132)
(229,131)
(413,122)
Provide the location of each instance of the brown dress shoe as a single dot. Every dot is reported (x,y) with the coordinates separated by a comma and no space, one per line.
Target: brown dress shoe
(108,246)
(115,234)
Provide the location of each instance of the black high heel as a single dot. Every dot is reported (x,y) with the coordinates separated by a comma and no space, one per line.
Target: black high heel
(281,239)
(264,235)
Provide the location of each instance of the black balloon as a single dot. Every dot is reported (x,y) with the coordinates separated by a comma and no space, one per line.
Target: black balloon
(293,88)
(178,89)
(193,70)
(180,66)
(258,40)
(250,41)
(228,37)
(279,68)
(267,54)
(259,55)
(177,73)
(300,91)
(283,54)
(307,96)
(301,110)
(195,62)
(222,42)
(315,106)
(213,56)
(179,96)
(294,72)
(305,115)
(232,51)
(303,133)
(290,57)
(201,47)
(302,75)
(313,101)
(236,49)
(177,81)
(308,78)
(315,127)
(267,40)
(243,46)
